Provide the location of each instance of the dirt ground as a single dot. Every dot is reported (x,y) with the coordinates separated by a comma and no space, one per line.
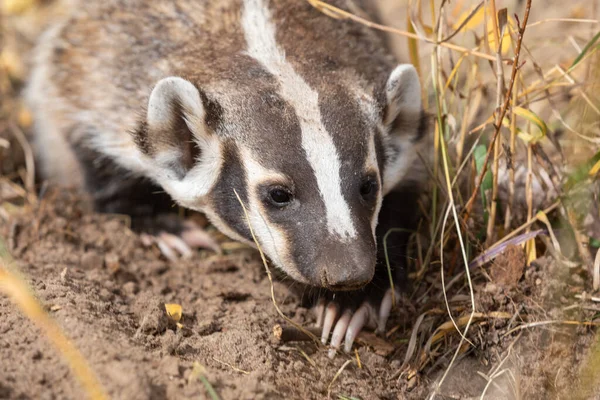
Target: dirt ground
(533,336)
(107,291)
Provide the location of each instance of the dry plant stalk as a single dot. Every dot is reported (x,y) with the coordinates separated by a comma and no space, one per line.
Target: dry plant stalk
(497,127)
(338,13)
(284,334)
(18,291)
(499,24)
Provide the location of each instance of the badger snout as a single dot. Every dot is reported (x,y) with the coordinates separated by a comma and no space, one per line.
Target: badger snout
(346,267)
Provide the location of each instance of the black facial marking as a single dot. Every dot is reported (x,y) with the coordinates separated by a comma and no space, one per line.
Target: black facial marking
(225,202)
(423,129)
(184,138)
(213,111)
(140,138)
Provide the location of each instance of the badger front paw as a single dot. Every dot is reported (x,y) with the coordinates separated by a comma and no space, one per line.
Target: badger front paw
(348,317)
(175,237)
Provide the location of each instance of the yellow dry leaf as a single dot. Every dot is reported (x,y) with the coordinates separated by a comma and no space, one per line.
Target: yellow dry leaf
(579,11)
(24,118)
(594,170)
(413,48)
(474,22)
(477,19)
(174,311)
(12,64)
(506,40)
(13,7)
(530,251)
(536,120)
(541,216)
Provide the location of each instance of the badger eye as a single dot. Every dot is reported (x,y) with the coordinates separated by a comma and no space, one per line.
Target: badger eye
(369,188)
(279,197)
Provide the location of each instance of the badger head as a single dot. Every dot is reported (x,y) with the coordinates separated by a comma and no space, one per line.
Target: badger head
(310,165)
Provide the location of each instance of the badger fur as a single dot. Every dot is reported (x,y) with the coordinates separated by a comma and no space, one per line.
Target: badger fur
(308,118)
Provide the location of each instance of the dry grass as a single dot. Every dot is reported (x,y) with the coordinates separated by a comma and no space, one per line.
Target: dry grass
(516,156)
(516,140)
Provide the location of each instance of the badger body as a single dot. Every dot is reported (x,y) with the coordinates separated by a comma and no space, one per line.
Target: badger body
(308,119)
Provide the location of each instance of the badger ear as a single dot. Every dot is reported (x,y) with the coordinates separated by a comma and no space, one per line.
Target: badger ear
(404,121)
(183,151)
(403,97)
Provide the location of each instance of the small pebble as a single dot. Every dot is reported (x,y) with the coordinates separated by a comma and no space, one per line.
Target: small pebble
(298,366)
(64,275)
(130,288)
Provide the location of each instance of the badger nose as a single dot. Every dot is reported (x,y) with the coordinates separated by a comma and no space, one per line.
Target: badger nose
(351,270)
(335,279)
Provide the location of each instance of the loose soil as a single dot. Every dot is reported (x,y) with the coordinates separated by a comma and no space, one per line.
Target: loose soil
(107,291)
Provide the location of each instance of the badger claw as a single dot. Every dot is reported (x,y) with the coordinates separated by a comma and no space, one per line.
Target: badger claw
(360,318)
(331,313)
(384,311)
(196,237)
(351,322)
(320,311)
(175,243)
(175,247)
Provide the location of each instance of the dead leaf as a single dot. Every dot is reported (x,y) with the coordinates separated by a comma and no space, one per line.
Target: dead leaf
(508,267)
(174,311)
(381,346)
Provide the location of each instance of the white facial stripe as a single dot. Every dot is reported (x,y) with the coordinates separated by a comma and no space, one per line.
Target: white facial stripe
(321,152)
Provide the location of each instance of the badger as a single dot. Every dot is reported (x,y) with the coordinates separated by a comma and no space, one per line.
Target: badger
(269,109)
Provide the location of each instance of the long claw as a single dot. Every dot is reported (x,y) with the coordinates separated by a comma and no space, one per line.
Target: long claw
(384,311)
(198,238)
(339,331)
(331,313)
(177,244)
(357,323)
(165,249)
(320,311)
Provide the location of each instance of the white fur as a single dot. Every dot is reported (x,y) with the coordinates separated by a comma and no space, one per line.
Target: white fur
(58,161)
(403,92)
(165,92)
(320,150)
